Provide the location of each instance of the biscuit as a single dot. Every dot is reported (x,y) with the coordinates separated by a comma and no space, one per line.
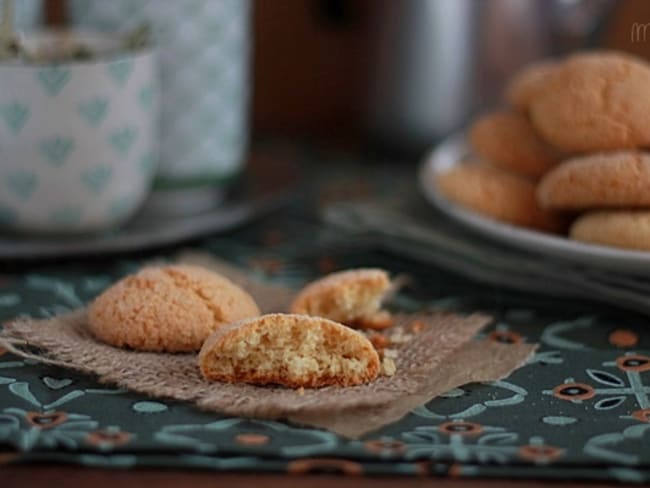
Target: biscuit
(525,85)
(507,139)
(351,297)
(169,308)
(290,350)
(628,229)
(605,180)
(497,194)
(594,102)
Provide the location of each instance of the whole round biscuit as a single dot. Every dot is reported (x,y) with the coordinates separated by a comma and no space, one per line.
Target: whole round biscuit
(168,308)
(627,229)
(508,140)
(524,85)
(497,194)
(605,180)
(594,102)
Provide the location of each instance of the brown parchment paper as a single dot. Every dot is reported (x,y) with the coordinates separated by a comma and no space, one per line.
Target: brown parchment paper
(440,357)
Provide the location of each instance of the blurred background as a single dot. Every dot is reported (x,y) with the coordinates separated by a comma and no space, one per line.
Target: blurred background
(402,74)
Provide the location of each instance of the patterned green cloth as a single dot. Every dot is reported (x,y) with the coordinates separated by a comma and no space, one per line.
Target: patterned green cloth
(580,409)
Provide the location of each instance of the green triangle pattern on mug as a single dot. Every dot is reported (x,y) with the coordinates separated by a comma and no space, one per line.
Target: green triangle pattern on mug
(96,179)
(68,215)
(22,183)
(145,97)
(122,139)
(120,206)
(15,115)
(8,215)
(53,79)
(56,150)
(120,71)
(94,110)
(147,163)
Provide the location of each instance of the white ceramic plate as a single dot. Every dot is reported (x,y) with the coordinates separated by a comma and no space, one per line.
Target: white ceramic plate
(451,152)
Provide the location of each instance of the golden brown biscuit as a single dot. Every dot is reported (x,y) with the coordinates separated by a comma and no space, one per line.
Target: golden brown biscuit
(605,180)
(289,350)
(351,297)
(628,229)
(525,85)
(497,194)
(507,140)
(169,308)
(594,102)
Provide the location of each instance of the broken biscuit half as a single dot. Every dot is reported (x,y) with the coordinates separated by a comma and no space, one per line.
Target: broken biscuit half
(353,297)
(289,350)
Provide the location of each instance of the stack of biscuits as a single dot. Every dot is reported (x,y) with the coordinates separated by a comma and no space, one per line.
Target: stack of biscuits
(567,155)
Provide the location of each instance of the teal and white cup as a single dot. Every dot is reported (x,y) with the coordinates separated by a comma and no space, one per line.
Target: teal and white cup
(204,61)
(78,139)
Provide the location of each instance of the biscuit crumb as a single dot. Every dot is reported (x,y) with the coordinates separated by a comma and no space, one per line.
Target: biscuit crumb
(390,353)
(399,337)
(380,341)
(388,367)
(301,391)
(417,326)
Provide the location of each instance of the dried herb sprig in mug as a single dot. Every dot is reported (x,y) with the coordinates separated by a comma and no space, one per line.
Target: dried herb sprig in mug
(66,47)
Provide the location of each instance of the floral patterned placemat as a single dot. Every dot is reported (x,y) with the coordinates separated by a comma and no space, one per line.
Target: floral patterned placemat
(579,409)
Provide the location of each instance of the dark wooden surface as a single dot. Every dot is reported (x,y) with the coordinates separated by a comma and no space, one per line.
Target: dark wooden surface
(72,477)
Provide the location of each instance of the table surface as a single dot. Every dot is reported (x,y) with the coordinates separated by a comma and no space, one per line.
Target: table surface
(72,477)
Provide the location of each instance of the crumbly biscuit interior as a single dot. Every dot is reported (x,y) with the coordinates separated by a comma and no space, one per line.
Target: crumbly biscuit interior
(352,303)
(289,351)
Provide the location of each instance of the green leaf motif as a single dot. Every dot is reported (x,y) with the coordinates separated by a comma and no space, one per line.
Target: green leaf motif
(149,407)
(55,383)
(96,179)
(22,184)
(15,115)
(65,399)
(21,390)
(94,110)
(122,139)
(53,79)
(120,71)
(9,299)
(559,420)
(56,150)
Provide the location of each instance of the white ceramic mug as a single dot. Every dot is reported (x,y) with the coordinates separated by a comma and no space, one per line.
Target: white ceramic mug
(78,139)
(204,53)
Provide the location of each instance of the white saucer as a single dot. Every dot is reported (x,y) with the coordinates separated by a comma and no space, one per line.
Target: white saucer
(264,187)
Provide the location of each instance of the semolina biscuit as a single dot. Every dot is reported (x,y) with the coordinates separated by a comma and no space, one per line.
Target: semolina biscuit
(507,139)
(497,194)
(525,85)
(605,180)
(290,350)
(594,102)
(627,229)
(168,308)
(352,297)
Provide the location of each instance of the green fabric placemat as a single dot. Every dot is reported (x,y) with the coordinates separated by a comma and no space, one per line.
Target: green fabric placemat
(579,410)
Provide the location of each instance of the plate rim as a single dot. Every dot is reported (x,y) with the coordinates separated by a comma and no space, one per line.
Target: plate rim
(449,153)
